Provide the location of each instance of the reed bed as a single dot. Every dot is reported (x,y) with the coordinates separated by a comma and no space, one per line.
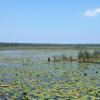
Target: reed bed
(87,56)
(84,56)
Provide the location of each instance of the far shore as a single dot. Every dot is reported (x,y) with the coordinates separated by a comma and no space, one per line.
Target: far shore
(43,47)
(29,46)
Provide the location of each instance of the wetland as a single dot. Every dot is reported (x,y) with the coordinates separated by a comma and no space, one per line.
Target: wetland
(29,75)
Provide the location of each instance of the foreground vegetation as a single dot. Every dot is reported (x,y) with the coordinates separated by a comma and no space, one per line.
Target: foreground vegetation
(26,84)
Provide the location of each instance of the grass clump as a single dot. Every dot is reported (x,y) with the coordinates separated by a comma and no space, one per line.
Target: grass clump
(96,53)
(87,56)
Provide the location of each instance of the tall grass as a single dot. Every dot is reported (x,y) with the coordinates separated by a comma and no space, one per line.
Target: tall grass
(84,54)
(87,56)
(96,53)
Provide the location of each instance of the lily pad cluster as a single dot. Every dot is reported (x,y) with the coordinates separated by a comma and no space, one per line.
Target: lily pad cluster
(50,81)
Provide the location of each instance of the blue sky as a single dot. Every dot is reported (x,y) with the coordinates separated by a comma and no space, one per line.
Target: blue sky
(50,21)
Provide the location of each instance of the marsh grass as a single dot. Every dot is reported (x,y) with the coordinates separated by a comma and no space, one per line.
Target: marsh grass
(96,54)
(60,58)
(87,56)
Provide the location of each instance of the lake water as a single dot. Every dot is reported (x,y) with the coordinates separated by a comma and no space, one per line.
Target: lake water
(31,73)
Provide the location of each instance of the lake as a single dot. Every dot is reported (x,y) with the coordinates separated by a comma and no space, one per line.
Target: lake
(27,75)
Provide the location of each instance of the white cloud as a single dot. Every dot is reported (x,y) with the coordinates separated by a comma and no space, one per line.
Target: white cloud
(97,10)
(91,13)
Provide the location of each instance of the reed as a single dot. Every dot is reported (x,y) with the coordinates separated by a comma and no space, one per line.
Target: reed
(96,54)
(87,56)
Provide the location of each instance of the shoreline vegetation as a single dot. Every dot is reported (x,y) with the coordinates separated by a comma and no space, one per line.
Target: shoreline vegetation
(27,46)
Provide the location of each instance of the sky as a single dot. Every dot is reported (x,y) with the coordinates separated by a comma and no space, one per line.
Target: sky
(50,21)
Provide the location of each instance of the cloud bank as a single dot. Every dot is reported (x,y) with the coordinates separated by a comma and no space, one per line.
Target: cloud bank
(92,13)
